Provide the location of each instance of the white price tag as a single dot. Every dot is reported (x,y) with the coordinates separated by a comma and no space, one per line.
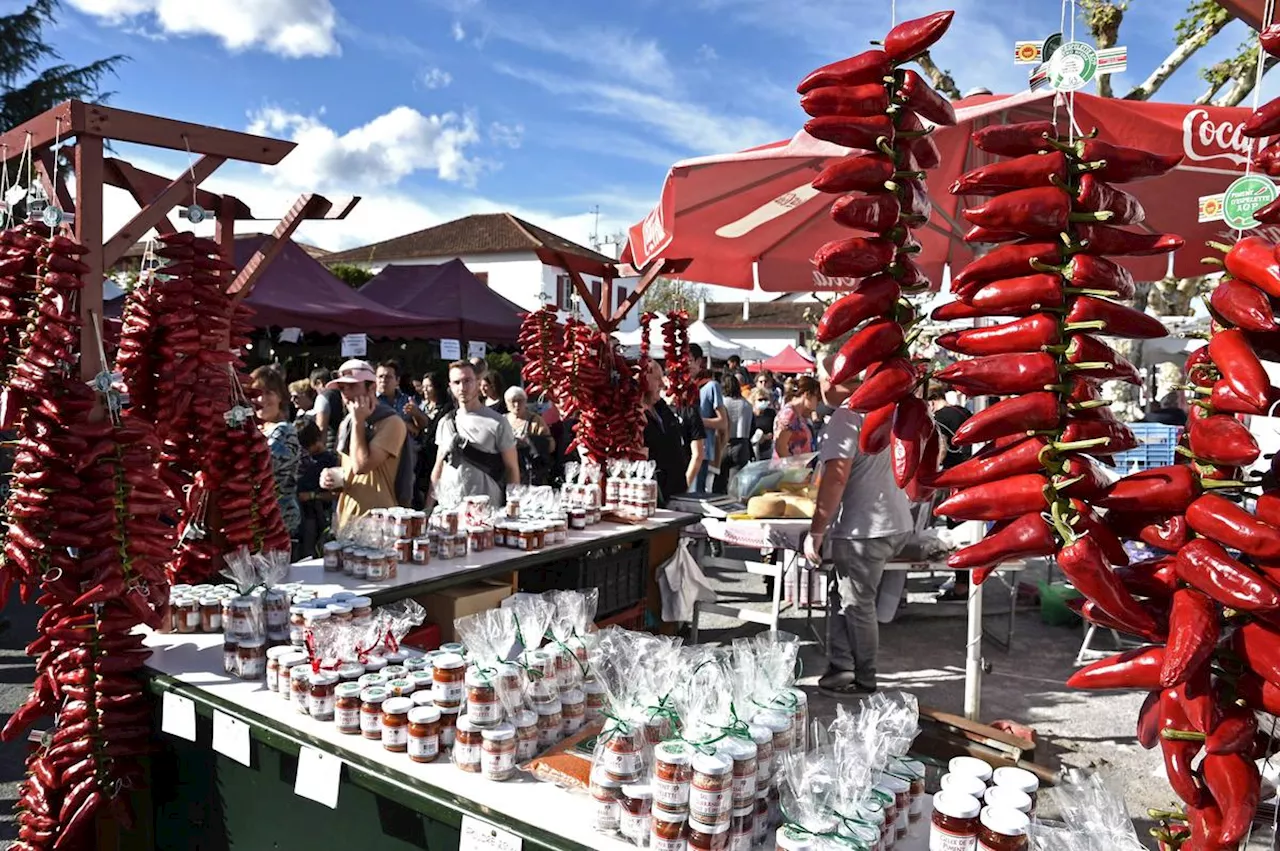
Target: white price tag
(477,350)
(355,345)
(319,774)
(450,349)
(231,737)
(479,835)
(178,716)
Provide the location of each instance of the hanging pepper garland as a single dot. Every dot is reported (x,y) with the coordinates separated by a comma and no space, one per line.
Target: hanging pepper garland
(681,387)
(869,102)
(541,339)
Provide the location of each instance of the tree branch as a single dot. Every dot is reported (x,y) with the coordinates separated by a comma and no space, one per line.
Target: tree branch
(1205,20)
(1242,85)
(1103,18)
(942,80)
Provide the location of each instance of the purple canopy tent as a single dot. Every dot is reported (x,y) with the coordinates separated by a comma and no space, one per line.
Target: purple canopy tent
(452,296)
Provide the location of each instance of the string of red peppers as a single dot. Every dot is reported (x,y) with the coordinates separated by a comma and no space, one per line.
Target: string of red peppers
(541,340)
(868,102)
(681,388)
(85,534)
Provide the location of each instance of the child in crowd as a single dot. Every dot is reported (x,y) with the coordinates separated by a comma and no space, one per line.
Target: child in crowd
(317,504)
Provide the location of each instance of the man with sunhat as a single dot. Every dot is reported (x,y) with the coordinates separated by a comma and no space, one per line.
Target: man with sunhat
(370,441)
(861,519)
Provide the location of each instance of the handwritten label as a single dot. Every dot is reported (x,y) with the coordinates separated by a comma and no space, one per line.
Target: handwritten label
(477,349)
(450,349)
(479,835)
(231,737)
(178,716)
(355,345)
(319,774)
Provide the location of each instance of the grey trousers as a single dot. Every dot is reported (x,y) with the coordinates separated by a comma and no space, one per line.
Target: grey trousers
(853,633)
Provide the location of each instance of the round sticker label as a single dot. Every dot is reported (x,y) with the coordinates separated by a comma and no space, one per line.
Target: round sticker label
(1245,196)
(1073,66)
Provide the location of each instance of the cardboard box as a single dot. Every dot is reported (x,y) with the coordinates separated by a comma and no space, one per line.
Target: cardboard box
(443,607)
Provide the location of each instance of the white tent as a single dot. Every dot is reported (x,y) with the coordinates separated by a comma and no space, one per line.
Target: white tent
(713,343)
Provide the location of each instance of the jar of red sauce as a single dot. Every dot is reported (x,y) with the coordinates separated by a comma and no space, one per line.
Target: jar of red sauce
(467,744)
(607,795)
(424,733)
(667,829)
(635,812)
(1003,829)
(704,836)
(672,774)
(955,822)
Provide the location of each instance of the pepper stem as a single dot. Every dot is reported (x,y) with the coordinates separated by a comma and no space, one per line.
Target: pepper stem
(882,145)
(1210,484)
(1212,261)
(1166,815)
(1219,246)
(1036,264)
(1076,445)
(1088,405)
(1098,293)
(1091,325)
(915,134)
(1060,524)
(1181,735)
(1084,367)
(1103,216)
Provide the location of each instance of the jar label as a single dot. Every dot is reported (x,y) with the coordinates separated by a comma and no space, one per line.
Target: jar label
(273,677)
(498,764)
(215,622)
(594,713)
(446,737)
(276,617)
(424,747)
(370,722)
(621,762)
(742,841)
(297,635)
(447,694)
(395,736)
(670,794)
(636,827)
(943,840)
(657,843)
(251,669)
(744,789)
(466,754)
(347,719)
(901,824)
(526,749)
(229,662)
(484,714)
(193,620)
(606,816)
(917,807)
(709,802)
(572,724)
(320,707)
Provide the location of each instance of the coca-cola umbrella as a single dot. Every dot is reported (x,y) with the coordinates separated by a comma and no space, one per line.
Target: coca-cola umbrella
(752,219)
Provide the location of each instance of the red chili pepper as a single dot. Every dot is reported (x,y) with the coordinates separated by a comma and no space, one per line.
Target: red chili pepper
(1166,533)
(1096,195)
(1138,669)
(878,213)
(1023,335)
(1028,535)
(912,426)
(1243,305)
(1041,211)
(1117,320)
(1124,165)
(918,489)
(1119,437)
(865,133)
(1235,732)
(1253,260)
(1015,140)
(1229,524)
(995,462)
(1225,400)
(1193,635)
(999,500)
(921,99)
(870,66)
(1179,754)
(858,173)
(1240,367)
(1001,375)
(911,38)
(1031,171)
(854,257)
(884,385)
(1233,781)
(1258,693)
(986,236)
(1095,359)
(1149,718)
(1206,566)
(1101,239)
(1085,564)
(876,429)
(851,101)
(1009,297)
(1163,490)
(1007,261)
(1153,577)
(1037,411)
(877,341)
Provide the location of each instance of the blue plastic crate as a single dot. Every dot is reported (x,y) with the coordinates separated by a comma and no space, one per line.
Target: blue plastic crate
(1156,443)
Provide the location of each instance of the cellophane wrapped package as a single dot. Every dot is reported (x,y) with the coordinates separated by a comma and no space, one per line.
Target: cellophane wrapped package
(494,686)
(1093,816)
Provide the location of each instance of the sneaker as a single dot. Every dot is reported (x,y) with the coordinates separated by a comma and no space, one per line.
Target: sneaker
(851,689)
(836,679)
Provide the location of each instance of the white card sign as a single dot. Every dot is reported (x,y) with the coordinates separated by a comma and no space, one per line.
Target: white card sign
(178,716)
(231,737)
(479,835)
(290,335)
(477,350)
(450,349)
(355,345)
(319,774)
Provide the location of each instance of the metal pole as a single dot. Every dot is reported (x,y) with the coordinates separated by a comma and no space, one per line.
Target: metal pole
(973,656)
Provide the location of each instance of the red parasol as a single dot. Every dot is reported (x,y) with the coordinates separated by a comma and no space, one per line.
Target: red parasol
(785,362)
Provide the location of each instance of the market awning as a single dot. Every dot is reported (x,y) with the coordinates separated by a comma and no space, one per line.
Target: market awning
(451,295)
(785,362)
(714,344)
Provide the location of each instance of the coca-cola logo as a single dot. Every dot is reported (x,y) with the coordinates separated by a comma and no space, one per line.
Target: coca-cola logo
(653,231)
(1204,139)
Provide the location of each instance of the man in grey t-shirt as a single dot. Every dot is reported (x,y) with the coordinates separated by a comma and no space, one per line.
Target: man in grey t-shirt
(484,460)
(864,518)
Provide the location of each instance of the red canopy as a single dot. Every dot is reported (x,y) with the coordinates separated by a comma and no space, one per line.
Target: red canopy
(752,218)
(786,361)
(451,293)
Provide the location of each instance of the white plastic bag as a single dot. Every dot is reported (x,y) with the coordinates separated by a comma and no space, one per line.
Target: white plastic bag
(683,583)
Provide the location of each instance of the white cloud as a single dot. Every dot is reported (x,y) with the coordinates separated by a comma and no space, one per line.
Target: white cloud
(458,32)
(377,154)
(707,53)
(435,78)
(506,135)
(290,28)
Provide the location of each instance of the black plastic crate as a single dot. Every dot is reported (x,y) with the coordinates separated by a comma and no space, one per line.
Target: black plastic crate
(618,572)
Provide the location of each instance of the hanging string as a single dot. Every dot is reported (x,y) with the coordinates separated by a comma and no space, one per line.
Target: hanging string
(191,170)
(1062,28)
(893,13)
(53,178)
(4,187)
(1071,97)
(1268,10)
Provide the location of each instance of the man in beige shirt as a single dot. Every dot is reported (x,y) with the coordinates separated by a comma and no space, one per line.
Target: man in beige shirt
(369,443)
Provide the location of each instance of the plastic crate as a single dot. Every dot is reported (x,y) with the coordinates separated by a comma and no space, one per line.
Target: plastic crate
(1054,597)
(1156,443)
(619,572)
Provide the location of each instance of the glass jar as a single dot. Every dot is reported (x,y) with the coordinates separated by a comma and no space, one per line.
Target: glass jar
(954,826)
(424,734)
(448,727)
(350,672)
(621,757)
(404,550)
(423,682)
(1020,779)
(708,836)
(332,556)
(251,659)
(288,662)
(550,724)
(392,671)
(762,737)
(321,695)
(483,707)
(300,687)
(188,614)
(573,706)
(635,810)
(242,623)
(1008,798)
(400,687)
(371,700)
(210,613)
(297,625)
(607,794)
(475,540)
(742,828)
(743,754)
(965,784)
(797,705)
(339,613)
(498,752)
(901,791)
(449,674)
(421,552)
(346,708)
(972,766)
(666,829)
(275,613)
(779,724)
(526,724)
(371,680)
(912,772)
(378,570)
(672,774)
(790,839)
(595,701)
(273,664)
(1003,829)
(361,610)
(395,723)
(762,815)
(577,518)
(449,521)
(468,742)
(711,791)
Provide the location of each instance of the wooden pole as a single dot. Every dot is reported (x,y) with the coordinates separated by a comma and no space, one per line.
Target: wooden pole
(88,227)
(650,275)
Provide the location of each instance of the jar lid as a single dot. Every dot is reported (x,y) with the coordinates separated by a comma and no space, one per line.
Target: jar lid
(871,811)
(374,694)
(697,825)
(210,600)
(332,545)
(906,769)
(797,697)
(1008,797)
(374,662)
(397,705)
(748,810)
(965,784)
(499,732)
(477,678)
(972,766)
(549,708)
(396,657)
(280,650)
(956,805)
(573,695)
(673,753)
(775,721)
(297,608)
(424,715)
(421,679)
(323,678)
(593,687)
(394,672)
(400,684)
(300,672)
(448,661)
(737,749)
(1005,821)
(1016,778)
(368,680)
(466,725)
(422,697)
(637,791)
(348,690)
(252,643)
(359,602)
(243,602)
(180,588)
(525,718)
(661,813)
(315,614)
(894,784)
(351,669)
(760,734)
(404,542)
(453,647)
(712,764)
(338,609)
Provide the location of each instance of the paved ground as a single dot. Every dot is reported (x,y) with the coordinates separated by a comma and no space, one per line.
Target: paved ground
(16,673)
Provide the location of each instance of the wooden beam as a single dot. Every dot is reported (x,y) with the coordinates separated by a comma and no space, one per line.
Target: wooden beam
(650,275)
(584,293)
(113,175)
(151,185)
(44,129)
(88,229)
(54,184)
(179,190)
(307,206)
(224,232)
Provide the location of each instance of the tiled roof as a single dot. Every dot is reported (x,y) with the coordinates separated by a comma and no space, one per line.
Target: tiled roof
(762,314)
(490,233)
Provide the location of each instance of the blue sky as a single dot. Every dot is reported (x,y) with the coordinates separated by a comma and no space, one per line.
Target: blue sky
(432,109)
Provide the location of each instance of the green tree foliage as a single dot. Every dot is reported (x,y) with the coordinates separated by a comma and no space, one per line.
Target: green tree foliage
(353,276)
